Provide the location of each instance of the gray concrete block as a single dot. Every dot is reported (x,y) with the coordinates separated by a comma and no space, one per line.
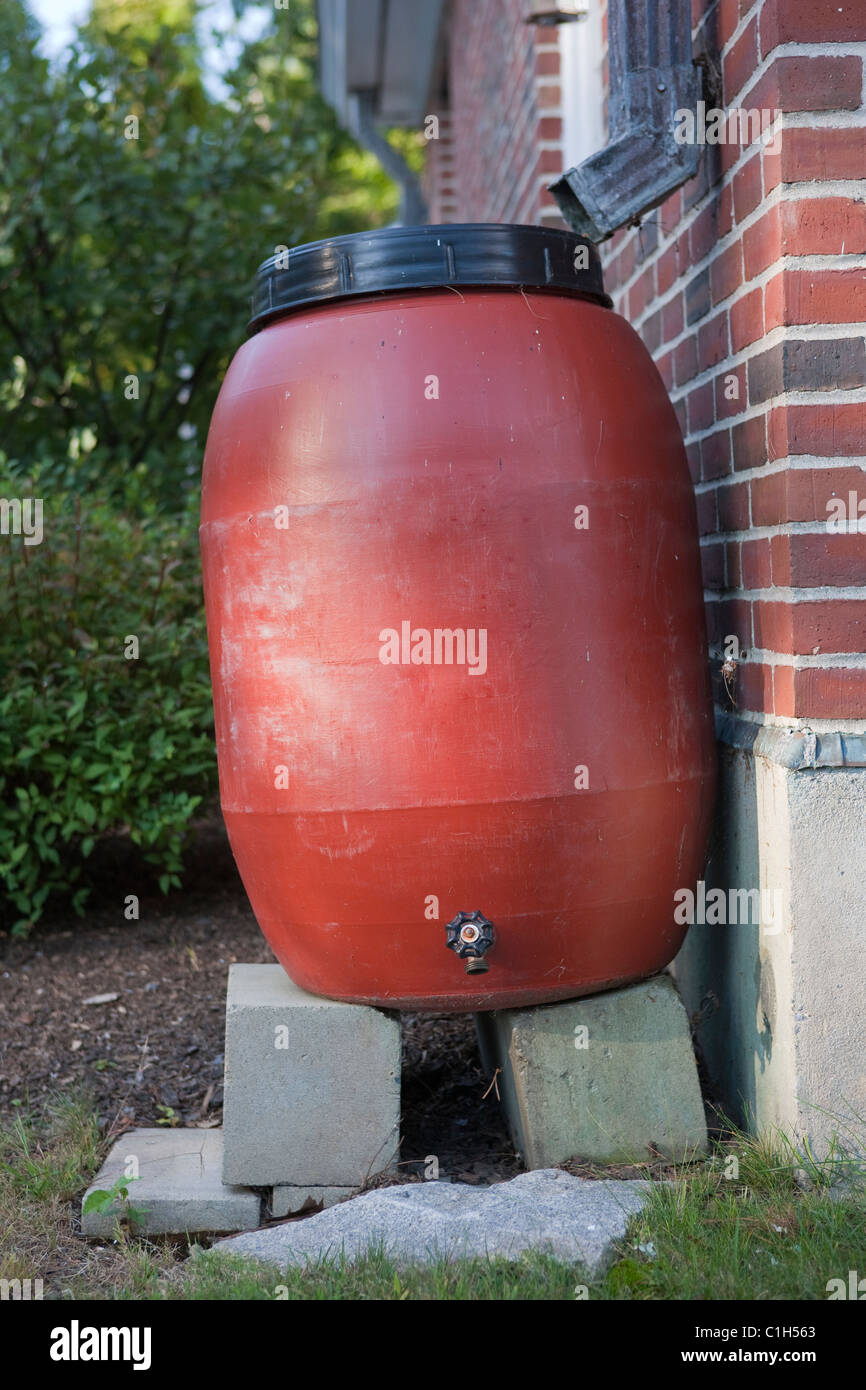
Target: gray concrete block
(603,1078)
(287,1200)
(312,1086)
(178,1188)
(570,1218)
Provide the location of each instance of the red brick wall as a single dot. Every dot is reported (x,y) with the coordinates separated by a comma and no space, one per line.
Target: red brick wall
(440,171)
(748,286)
(505,129)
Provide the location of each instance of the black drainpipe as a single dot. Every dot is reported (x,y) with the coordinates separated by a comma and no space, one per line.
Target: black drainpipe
(413,208)
(652,75)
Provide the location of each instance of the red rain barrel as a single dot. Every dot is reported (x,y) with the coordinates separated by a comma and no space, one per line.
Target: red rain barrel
(456,624)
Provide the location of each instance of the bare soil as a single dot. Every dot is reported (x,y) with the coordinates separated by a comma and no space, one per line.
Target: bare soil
(151,1052)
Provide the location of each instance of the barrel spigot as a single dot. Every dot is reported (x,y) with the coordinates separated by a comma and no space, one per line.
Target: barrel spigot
(470,935)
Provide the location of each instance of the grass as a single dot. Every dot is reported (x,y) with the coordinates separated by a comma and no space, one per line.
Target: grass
(760,1237)
(40,1176)
(772,1225)
(45,1166)
(372,1279)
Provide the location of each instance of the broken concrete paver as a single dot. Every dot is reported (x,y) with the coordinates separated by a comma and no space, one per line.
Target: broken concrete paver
(179,1186)
(573,1219)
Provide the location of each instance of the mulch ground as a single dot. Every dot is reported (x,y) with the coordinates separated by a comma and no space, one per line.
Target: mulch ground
(133,1013)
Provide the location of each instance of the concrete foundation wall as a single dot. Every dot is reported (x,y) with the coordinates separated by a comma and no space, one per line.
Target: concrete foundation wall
(780,1001)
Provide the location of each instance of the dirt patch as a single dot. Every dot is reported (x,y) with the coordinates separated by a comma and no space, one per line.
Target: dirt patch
(658,1170)
(150,1051)
(450,1110)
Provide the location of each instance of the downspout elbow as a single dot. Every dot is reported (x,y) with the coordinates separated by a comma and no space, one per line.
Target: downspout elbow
(362,124)
(652,78)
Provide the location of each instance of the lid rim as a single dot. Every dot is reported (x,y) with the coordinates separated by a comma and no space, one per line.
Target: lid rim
(393,260)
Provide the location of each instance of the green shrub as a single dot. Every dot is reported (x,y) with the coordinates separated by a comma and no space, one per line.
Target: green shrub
(95,742)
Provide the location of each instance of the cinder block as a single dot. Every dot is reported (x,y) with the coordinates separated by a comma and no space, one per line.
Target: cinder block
(608,1078)
(287,1200)
(178,1187)
(312,1086)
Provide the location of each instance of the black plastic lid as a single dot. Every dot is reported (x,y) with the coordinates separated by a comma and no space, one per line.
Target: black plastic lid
(423,258)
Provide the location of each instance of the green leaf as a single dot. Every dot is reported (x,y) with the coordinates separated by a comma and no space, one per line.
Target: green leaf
(97,1200)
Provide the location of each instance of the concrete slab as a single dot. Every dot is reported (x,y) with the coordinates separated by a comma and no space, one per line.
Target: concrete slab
(312,1086)
(287,1200)
(605,1078)
(179,1185)
(574,1220)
